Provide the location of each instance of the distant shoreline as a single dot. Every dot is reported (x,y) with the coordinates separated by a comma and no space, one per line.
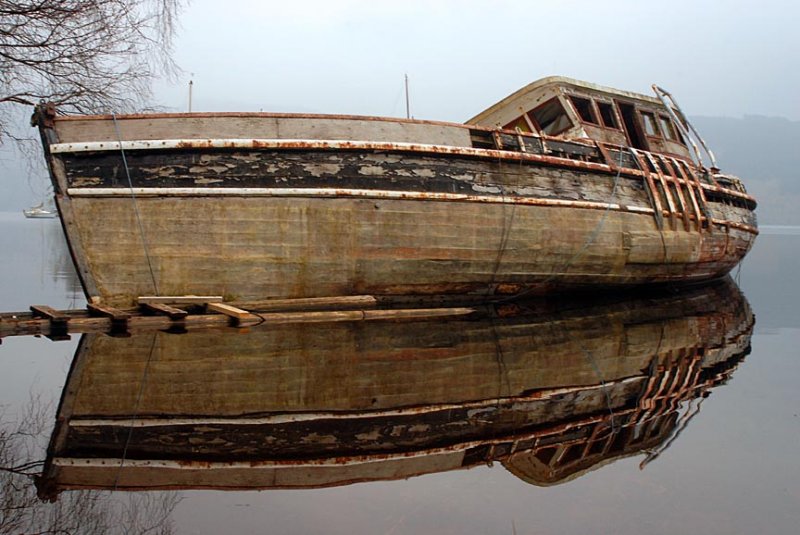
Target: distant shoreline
(779,230)
(6,215)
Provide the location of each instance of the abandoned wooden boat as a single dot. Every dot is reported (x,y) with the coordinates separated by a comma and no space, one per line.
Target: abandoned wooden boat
(550,390)
(562,184)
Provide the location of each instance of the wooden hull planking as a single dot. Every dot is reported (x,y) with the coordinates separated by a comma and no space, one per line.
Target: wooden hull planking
(288,218)
(246,248)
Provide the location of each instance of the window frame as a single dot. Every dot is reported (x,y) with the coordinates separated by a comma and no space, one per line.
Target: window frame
(678,138)
(614,114)
(592,109)
(540,130)
(644,113)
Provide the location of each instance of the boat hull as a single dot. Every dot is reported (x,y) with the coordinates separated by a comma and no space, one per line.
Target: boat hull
(329,215)
(250,247)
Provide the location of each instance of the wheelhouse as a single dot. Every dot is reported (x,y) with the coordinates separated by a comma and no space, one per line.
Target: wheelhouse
(563,107)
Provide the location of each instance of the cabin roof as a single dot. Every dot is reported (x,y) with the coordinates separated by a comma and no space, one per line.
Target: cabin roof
(561,81)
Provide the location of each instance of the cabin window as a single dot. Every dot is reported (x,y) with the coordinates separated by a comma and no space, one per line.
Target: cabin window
(518,123)
(551,117)
(668,127)
(650,126)
(607,115)
(584,108)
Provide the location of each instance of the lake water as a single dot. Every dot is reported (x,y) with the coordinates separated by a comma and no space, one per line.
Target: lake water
(658,413)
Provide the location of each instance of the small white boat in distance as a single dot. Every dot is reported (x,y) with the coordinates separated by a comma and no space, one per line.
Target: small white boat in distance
(40,212)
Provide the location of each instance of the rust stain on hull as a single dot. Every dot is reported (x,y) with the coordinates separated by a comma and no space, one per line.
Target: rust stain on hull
(253,206)
(252,248)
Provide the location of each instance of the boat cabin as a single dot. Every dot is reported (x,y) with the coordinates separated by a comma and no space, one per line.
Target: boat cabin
(572,109)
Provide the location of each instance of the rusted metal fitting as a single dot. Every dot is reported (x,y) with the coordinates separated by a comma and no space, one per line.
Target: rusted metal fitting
(44,115)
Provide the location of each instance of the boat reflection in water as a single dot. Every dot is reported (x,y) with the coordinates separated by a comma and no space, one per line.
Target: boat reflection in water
(549,388)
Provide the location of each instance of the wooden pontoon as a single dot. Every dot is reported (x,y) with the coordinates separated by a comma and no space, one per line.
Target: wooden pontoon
(551,390)
(563,184)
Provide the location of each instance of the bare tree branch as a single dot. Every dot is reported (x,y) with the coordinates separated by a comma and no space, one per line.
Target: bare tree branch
(85,511)
(87,56)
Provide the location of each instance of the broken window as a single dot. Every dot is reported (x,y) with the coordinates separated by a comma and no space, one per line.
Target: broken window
(551,117)
(585,109)
(607,114)
(518,124)
(668,127)
(650,126)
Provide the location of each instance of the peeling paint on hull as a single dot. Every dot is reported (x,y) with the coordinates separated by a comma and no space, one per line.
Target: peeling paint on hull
(291,218)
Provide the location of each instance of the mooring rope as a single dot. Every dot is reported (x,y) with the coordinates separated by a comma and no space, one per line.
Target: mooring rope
(135,414)
(508,223)
(604,387)
(600,224)
(135,205)
(589,240)
(502,368)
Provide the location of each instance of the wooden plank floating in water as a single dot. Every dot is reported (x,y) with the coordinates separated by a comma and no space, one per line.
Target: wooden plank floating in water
(311,303)
(119,318)
(57,324)
(45,311)
(237,315)
(166,310)
(180,299)
(115,314)
(268,305)
(58,321)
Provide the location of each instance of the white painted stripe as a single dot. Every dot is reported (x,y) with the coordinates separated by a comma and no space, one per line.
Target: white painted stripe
(250,143)
(291,417)
(321,144)
(347,460)
(334,192)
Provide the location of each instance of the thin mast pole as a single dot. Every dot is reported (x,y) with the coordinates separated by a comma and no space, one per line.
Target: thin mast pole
(191,83)
(408,106)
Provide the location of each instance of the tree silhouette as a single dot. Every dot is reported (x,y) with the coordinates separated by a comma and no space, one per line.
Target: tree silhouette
(22,439)
(86,56)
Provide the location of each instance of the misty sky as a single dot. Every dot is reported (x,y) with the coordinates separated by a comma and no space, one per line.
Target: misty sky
(718,58)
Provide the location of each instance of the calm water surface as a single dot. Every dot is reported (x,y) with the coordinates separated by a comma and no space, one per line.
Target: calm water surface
(729,467)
